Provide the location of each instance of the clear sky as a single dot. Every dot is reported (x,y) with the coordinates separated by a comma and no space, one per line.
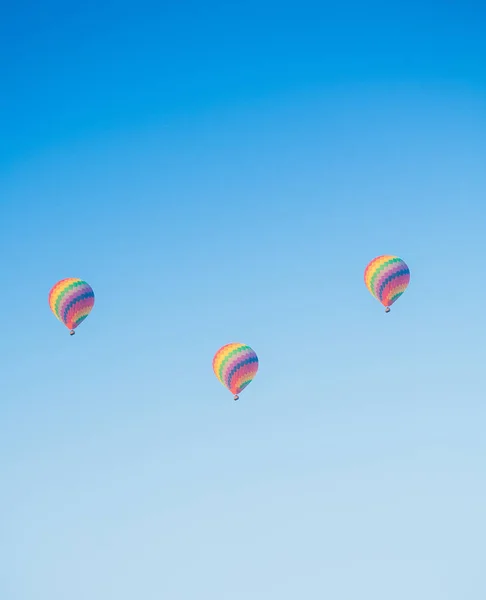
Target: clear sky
(222,172)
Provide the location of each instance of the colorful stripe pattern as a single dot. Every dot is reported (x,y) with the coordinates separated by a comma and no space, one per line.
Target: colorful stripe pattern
(387,277)
(235,365)
(71,300)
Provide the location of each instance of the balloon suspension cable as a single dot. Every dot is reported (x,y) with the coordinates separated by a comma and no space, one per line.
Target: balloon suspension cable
(236,397)
(72,332)
(387,310)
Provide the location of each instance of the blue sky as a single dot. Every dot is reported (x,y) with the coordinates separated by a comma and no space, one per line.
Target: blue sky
(221,173)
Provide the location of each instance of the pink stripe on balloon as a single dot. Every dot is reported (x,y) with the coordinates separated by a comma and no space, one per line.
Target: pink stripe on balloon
(66,299)
(392,286)
(387,272)
(393,281)
(78,308)
(246,372)
(233,362)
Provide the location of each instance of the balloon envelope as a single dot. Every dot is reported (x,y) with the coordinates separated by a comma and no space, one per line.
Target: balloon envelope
(387,277)
(235,365)
(71,301)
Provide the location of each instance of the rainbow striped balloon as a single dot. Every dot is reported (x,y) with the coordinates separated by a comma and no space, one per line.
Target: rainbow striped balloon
(71,300)
(235,365)
(387,277)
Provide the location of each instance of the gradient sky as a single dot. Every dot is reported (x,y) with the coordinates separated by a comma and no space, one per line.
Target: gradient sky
(224,173)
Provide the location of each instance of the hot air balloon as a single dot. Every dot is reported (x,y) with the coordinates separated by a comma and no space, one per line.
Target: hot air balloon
(235,365)
(71,301)
(387,277)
